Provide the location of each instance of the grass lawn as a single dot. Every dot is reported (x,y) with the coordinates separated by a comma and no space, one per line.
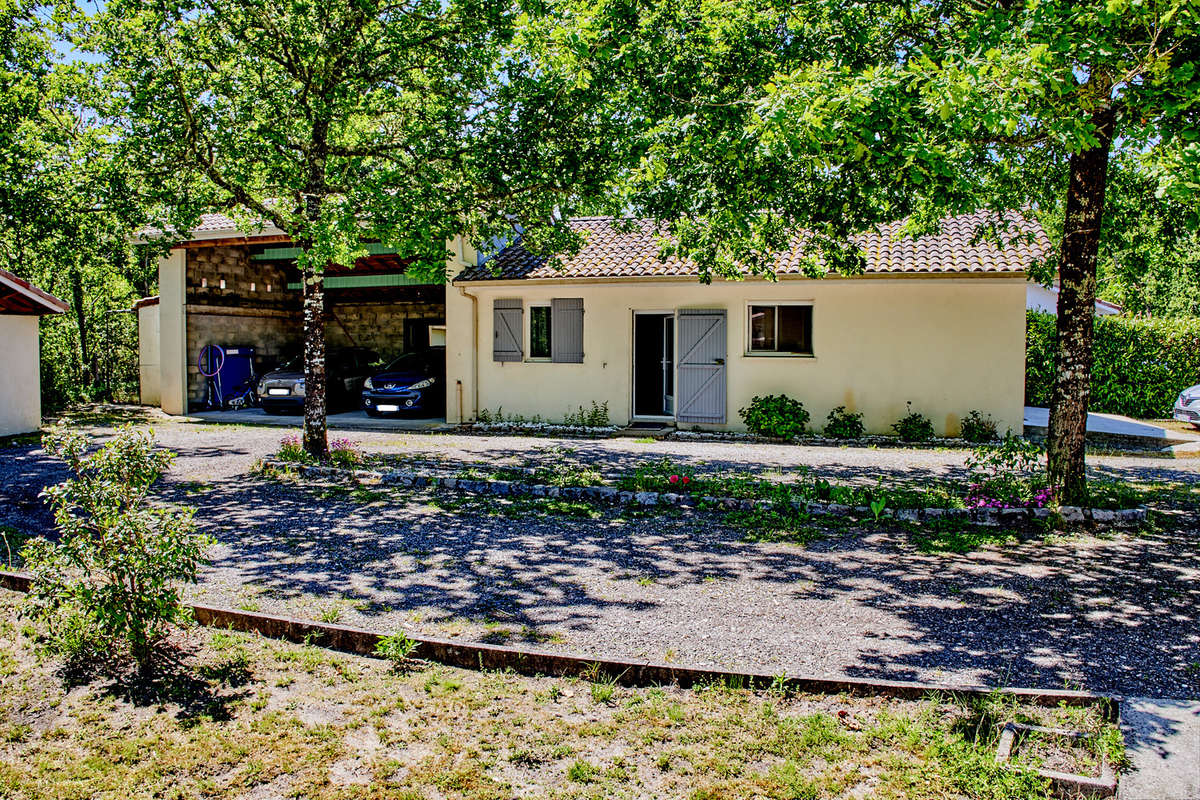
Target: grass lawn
(244,716)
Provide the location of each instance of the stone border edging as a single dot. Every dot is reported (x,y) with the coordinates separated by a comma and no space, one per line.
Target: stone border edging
(471,655)
(991,517)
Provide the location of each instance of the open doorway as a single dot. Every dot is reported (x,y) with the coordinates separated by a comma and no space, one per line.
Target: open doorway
(653,364)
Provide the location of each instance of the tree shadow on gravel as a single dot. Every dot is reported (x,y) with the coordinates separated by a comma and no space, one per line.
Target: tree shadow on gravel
(1110,614)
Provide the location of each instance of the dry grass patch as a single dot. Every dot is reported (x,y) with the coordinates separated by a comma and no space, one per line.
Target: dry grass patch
(247,717)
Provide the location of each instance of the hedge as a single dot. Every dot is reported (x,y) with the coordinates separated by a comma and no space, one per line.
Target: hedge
(1140,364)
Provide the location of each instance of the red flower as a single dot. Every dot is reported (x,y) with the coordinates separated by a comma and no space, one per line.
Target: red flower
(675,479)
(686,480)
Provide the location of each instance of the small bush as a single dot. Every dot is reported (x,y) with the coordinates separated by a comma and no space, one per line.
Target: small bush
(594,417)
(775,415)
(978,428)
(1007,475)
(397,648)
(913,427)
(843,424)
(114,571)
(291,449)
(345,453)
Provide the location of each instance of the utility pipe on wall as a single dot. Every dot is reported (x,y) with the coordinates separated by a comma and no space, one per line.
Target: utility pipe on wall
(474,354)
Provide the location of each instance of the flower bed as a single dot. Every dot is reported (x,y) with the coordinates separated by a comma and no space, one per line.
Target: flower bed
(542,429)
(816,440)
(981,515)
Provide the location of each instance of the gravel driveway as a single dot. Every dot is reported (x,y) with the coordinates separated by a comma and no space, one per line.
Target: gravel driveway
(1113,614)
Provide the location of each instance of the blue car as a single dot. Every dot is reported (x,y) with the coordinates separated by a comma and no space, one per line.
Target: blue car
(413,383)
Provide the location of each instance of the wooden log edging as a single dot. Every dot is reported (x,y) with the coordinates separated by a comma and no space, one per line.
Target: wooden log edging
(480,656)
(989,517)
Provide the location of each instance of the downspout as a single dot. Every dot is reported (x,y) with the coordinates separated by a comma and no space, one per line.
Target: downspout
(474,350)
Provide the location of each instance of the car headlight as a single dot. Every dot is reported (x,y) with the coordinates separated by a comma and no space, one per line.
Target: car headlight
(262,387)
(298,388)
(368,384)
(425,384)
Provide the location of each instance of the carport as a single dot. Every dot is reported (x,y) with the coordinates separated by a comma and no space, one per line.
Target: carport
(21,306)
(224,288)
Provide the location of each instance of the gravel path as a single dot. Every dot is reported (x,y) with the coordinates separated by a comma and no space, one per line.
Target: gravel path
(1109,614)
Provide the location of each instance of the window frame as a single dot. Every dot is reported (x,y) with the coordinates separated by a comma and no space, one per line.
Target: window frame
(529,356)
(750,352)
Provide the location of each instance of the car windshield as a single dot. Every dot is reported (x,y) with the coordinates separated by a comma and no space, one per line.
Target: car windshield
(411,362)
(336,361)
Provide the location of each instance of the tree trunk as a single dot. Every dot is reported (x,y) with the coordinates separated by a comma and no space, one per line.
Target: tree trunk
(1076,308)
(315,435)
(85,348)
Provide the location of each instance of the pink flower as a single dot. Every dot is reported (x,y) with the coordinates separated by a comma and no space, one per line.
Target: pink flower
(674,479)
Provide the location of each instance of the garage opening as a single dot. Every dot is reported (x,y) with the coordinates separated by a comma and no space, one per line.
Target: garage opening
(249,296)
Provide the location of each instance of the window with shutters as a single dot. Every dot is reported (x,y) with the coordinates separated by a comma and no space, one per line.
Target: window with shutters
(779,329)
(539,333)
(555,331)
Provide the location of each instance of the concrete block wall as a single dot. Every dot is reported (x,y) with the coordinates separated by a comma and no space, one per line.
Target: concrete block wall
(246,283)
(377,326)
(274,334)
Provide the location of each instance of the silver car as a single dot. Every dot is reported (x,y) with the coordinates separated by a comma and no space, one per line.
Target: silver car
(1187,406)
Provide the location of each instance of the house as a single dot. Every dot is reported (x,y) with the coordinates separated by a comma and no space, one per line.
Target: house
(232,287)
(21,306)
(938,321)
(1044,299)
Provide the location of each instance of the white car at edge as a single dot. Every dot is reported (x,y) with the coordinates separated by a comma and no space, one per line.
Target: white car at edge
(1187,406)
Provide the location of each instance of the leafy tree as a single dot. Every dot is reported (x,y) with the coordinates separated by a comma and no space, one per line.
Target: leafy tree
(341,123)
(66,206)
(115,569)
(758,119)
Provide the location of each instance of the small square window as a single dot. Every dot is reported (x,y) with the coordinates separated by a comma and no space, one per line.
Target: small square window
(539,332)
(780,329)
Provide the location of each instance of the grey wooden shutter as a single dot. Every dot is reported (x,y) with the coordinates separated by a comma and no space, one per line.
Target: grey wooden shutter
(507,330)
(701,366)
(566,330)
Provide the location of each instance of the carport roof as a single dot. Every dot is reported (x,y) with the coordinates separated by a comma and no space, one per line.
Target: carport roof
(18,296)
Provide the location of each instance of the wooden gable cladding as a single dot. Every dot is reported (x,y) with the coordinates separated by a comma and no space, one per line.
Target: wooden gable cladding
(18,296)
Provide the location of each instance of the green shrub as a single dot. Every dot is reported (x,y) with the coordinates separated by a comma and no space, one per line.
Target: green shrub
(1007,474)
(345,453)
(978,428)
(594,417)
(775,415)
(843,424)
(291,449)
(397,648)
(118,562)
(913,427)
(1140,364)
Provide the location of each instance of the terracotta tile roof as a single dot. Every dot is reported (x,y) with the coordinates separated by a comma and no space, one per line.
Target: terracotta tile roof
(18,296)
(215,222)
(610,253)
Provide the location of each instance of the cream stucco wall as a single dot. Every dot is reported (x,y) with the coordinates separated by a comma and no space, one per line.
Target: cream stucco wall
(948,344)
(149,366)
(20,391)
(172,332)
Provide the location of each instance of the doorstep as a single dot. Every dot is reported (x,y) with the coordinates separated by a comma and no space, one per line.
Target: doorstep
(652,429)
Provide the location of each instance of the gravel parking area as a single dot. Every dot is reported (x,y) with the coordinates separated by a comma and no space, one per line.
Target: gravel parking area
(1111,614)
